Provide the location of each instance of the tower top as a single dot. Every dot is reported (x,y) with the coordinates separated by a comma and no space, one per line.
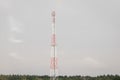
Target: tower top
(53,13)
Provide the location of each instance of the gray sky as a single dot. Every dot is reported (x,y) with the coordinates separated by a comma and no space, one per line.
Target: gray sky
(88,36)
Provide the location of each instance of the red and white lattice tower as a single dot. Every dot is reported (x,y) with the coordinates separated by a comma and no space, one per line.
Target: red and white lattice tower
(53,60)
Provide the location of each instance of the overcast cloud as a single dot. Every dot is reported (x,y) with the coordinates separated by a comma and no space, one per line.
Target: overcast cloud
(88,36)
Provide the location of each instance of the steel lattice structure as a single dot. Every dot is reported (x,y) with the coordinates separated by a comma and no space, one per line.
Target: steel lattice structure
(53,60)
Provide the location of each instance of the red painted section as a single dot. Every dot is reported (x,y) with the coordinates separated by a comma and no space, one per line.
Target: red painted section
(53,15)
(53,63)
(53,40)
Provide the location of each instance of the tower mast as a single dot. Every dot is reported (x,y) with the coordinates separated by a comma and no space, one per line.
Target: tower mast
(53,61)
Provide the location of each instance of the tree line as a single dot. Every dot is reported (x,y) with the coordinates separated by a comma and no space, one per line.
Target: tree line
(33,77)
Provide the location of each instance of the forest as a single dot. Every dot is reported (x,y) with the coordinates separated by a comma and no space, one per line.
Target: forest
(33,77)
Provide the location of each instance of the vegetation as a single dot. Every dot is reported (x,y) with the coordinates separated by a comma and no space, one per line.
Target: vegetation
(28,77)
